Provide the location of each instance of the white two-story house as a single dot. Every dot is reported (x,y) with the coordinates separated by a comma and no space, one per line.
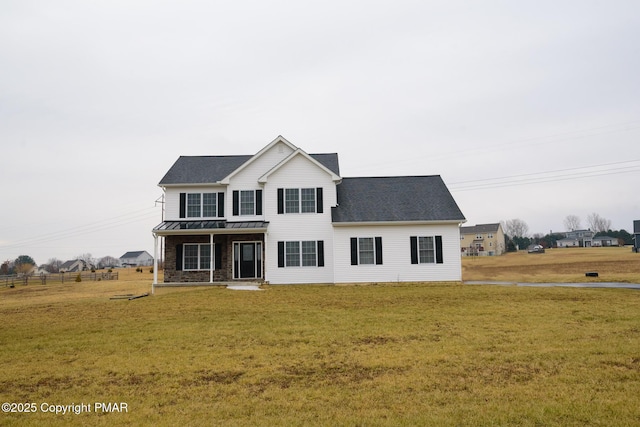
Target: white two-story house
(283,216)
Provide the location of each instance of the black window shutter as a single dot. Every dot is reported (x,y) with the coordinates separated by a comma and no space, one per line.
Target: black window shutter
(280,200)
(320,253)
(183,205)
(221,205)
(414,249)
(378,250)
(236,203)
(178,257)
(280,254)
(217,248)
(354,251)
(319,203)
(439,259)
(258,202)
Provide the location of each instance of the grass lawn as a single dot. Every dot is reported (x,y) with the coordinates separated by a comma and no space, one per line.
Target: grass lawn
(556,265)
(415,354)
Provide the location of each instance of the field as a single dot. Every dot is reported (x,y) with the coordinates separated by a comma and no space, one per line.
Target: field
(415,354)
(556,265)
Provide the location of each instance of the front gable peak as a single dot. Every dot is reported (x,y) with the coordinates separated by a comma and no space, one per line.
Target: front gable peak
(299,152)
(280,143)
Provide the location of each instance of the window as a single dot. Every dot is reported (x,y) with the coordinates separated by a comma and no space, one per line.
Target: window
(291,200)
(197,256)
(366,250)
(308,200)
(426,249)
(247,202)
(300,200)
(292,254)
(193,205)
(201,205)
(306,253)
(209,206)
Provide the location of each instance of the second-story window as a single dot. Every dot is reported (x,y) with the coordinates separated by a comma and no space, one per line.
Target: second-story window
(300,200)
(201,205)
(247,202)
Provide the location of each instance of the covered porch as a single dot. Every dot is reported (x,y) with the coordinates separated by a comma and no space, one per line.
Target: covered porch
(211,252)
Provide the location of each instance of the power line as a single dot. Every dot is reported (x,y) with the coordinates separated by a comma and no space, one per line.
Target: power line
(547,176)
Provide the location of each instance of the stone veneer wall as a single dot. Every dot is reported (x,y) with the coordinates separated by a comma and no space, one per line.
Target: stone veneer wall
(223,273)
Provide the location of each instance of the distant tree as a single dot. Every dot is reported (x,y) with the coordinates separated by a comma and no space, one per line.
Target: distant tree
(88,259)
(54,265)
(550,240)
(515,228)
(572,222)
(5,268)
(597,223)
(25,259)
(108,261)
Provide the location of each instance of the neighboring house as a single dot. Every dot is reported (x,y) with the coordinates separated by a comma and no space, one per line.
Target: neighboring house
(75,266)
(581,238)
(283,216)
(605,241)
(636,235)
(136,259)
(482,239)
(568,243)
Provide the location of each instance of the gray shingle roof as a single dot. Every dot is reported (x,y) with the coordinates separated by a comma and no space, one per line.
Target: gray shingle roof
(400,198)
(210,169)
(480,228)
(132,254)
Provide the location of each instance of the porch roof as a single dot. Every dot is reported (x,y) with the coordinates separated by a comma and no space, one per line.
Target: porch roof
(209,226)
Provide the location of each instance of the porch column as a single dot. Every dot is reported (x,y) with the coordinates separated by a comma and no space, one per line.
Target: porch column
(155,263)
(212,258)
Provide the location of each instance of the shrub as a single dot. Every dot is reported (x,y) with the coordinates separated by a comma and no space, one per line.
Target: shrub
(151,270)
(79,278)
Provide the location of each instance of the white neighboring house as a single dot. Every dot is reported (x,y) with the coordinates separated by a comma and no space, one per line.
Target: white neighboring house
(283,216)
(75,266)
(136,259)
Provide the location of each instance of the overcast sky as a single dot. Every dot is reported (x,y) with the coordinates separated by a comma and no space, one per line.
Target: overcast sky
(528,109)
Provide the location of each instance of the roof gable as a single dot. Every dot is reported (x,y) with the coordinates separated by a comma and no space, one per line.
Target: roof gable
(200,170)
(401,198)
(279,140)
(311,158)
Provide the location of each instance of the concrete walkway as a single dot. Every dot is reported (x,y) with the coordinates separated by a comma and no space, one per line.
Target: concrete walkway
(614,285)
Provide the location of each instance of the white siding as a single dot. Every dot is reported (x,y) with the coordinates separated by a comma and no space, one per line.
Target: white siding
(247,179)
(299,172)
(396,254)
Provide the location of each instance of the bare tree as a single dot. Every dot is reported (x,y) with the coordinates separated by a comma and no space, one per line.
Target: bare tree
(515,228)
(54,265)
(572,222)
(108,261)
(597,223)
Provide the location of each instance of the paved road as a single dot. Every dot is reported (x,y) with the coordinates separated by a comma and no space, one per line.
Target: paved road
(615,285)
